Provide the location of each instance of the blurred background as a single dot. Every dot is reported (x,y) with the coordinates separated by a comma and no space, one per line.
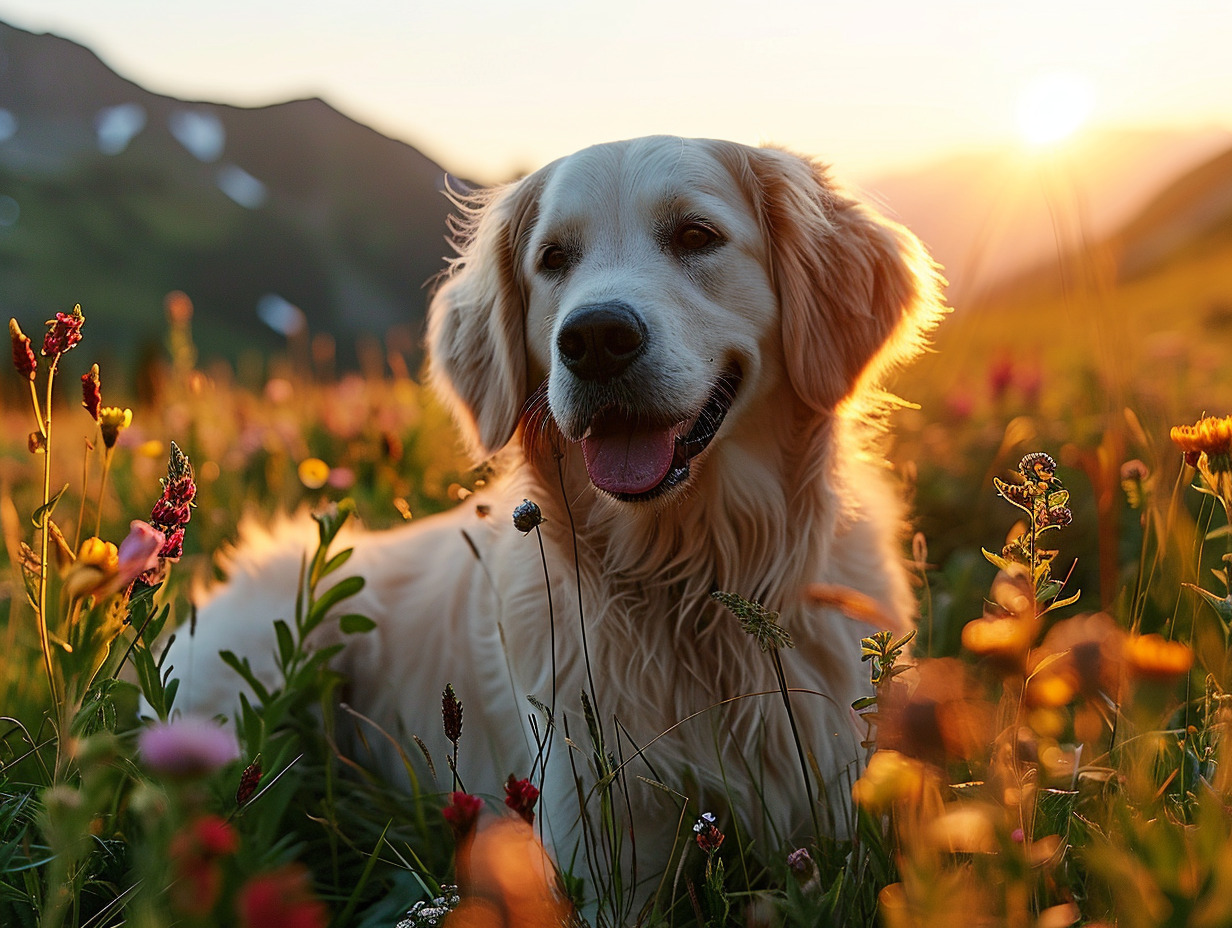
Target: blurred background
(247,201)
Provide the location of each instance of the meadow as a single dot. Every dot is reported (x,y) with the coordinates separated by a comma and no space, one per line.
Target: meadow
(1048,750)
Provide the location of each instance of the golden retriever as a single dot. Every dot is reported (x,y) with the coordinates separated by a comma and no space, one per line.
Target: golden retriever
(673,347)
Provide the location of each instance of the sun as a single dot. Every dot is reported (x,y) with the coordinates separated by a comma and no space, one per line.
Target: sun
(1052,107)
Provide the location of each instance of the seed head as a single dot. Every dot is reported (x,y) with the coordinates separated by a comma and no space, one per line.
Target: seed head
(249,780)
(527,516)
(451,714)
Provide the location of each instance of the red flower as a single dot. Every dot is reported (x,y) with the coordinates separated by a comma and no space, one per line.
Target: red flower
(462,813)
(282,898)
(63,332)
(195,852)
(91,392)
(521,796)
(23,354)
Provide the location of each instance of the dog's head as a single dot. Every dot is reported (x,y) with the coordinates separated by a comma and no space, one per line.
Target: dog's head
(651,291)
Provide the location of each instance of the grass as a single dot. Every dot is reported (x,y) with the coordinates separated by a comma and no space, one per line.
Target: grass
(1053,754)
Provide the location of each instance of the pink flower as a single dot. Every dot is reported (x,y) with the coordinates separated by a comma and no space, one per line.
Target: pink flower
(91,392)
(23,354)
(186,747)
(138,552)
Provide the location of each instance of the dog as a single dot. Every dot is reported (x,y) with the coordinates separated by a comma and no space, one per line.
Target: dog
(673,347)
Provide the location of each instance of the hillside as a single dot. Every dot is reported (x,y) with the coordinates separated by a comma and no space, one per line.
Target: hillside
(112,196)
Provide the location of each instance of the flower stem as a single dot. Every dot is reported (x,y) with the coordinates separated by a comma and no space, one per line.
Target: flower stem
(102,488)
(45,536)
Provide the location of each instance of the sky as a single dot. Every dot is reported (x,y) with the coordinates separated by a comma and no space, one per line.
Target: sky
(491,88)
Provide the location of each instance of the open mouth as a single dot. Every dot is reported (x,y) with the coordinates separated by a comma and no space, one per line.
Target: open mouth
(634,461)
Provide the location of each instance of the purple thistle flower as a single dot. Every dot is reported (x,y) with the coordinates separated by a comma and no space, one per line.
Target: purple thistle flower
(187,747)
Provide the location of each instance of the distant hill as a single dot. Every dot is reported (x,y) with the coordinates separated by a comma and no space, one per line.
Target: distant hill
(994,216)
(112,196)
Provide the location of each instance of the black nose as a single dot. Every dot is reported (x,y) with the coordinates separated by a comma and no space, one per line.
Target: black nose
(598,342)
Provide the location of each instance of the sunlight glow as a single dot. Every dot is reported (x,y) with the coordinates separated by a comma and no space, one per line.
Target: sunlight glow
(1052,107)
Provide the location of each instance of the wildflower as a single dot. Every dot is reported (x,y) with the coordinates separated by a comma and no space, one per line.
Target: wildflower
(249,780)
(139,550)
(889,778)
(1087,651)
(964,828)
(113,420)
(756,620)
(23,354)
(521,796)
(313,473)
(527,516)
(429,913)
(187,747)
(462,813)
(451,714)
(91,392)
(173,510)
(1002,640)
(709,838)
(1210,436)
(1059,516)
(94,552)
(1135,482)
(281,898)
(801,866)
(63,332)
(1155,658)
(943,717)
(195,852)
(1039,466)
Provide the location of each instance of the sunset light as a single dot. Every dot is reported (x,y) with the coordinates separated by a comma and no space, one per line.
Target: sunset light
(1052,107)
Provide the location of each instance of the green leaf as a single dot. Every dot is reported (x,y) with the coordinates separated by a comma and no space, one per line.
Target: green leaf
(1224,531)
(336,561)
(244,669)
(1062,603)
(341,590)
(43,513)
(286,643)
(353,623)
(1222,606)
(864,702)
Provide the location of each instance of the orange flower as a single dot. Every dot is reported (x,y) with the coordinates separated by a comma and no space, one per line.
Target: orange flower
(1211,436)
(1155,658)
(1002,640)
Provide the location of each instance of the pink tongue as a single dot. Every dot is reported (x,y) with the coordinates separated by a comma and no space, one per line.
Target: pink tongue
(627,460)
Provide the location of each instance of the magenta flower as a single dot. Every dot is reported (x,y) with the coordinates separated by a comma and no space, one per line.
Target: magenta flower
(173,510)
(186,747)
(91,392)
(63,332)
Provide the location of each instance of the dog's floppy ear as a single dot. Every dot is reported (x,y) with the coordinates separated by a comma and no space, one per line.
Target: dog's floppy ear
(858,293)
(477,352)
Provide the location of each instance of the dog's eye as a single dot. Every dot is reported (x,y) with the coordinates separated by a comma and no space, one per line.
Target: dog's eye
(553,258)
(694,236)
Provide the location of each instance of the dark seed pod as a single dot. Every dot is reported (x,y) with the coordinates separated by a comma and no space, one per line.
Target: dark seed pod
(451,714)
(526,516)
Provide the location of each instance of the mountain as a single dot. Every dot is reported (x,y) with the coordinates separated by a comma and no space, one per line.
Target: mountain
(112,196)
(992,216)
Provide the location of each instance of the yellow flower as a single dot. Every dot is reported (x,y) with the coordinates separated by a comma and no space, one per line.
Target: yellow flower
(890,777)
(113,420)
(98,553)
(313,472)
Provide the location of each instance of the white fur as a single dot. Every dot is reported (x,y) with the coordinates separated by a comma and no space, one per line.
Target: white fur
(815,297)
